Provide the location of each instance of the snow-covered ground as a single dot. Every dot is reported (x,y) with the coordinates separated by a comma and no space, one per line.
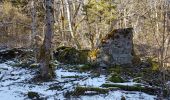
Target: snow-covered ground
(14,85)
(116,95)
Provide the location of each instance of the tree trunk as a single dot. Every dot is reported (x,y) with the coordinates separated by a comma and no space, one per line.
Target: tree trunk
(70,25)
(45,51)
(34,45)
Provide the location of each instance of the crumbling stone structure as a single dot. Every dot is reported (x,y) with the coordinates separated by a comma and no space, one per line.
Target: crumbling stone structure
(116,48)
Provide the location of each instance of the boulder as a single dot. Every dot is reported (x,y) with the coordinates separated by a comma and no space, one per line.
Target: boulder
(70,55)
(116,48)
(10,54)
(33,95)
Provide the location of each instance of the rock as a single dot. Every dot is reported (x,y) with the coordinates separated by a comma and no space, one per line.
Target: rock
(70,55)
(10,54)
(33,95)
(116,78)
(123,98)
(116,48)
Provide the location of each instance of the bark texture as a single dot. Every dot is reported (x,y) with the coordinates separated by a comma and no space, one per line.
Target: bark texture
(45,52)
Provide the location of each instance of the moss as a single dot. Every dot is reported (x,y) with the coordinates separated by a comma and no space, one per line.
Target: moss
(115,69)
(71,55)
(83,54)
(148,90)
(33,95)
(85,67)
(46,57)
(116,78)
(153,63)
(81,90)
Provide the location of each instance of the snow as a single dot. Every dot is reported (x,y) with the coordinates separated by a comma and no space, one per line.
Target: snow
(116,95)
(14,85)
(4,66)
(95,82)
(61,72)
(126,83)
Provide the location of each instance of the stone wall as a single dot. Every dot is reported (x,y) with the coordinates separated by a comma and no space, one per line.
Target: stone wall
(116,48)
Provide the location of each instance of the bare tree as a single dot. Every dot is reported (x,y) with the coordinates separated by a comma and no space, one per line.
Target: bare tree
(73,33)
(45,52)
(34,41)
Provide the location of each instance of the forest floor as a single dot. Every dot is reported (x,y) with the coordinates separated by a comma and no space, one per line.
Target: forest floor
(16,84)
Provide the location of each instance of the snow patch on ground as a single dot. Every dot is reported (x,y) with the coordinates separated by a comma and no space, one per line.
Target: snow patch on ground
(117,95)
(126,83)
(14,85)
(94,82)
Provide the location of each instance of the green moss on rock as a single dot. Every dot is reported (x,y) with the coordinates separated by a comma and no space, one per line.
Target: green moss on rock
(70,55)
(116,78)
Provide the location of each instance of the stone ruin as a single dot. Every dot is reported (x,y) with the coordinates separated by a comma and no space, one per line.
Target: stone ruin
(116,48)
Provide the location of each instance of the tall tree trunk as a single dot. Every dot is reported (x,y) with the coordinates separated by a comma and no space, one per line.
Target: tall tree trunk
(45,52)
(70,25)
(62,20)
(34,45)
(33,25)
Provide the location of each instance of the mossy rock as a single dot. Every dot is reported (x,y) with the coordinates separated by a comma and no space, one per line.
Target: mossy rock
(116,78)
(85,67)
(82,90)
(33,95)
(70,55)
